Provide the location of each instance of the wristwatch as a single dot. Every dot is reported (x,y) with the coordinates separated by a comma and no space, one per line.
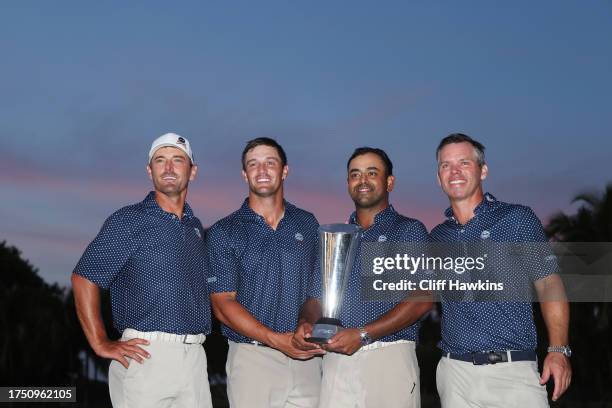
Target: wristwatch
(365,337)
(565,350)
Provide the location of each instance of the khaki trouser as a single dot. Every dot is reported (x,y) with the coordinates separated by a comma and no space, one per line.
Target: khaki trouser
(384,375)
(262,377)
(515,384)
(174,376)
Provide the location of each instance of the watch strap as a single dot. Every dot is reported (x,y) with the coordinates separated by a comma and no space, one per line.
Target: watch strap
(364,337)
(565,350)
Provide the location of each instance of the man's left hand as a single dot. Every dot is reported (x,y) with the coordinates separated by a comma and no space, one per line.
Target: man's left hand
(346,341)
(304,331)
(557,366)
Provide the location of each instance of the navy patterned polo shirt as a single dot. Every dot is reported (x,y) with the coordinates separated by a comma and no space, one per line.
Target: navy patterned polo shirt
(154,265)
(270,270)
(388,226)
(471,326)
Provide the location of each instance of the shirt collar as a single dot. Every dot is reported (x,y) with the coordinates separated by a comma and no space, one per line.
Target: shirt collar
(247,212)
(379,218)
(150,205)
(488,203)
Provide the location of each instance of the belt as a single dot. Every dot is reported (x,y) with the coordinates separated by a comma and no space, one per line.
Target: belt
(163,336)
(371,346)
(381,344)
(494,357)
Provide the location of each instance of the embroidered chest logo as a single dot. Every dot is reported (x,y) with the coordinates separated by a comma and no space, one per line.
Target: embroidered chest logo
(299,236)
(485,234)
(197,231)
(382,238)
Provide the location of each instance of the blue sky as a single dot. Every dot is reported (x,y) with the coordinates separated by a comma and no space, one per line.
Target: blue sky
(87,87)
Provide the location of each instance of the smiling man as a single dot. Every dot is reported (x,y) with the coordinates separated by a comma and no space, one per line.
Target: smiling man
(372,362)
(150,256)
(262,260)
(489,347)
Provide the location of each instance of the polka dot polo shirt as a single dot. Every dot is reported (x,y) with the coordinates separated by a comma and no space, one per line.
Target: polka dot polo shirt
(470,326)
(154,265)
(268,269)
(388,226)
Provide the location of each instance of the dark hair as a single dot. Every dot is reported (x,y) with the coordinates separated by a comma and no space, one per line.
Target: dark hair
(479,148)
(264,141)
(379,152)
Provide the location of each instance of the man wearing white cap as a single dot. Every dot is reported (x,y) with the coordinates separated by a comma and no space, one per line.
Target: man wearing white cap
(151,257)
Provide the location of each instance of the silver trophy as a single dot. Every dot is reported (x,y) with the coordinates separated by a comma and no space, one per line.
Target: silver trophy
(337,248)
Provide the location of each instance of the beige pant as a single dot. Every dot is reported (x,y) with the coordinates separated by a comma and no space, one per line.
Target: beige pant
(262,377)
(174,376)
(462,384)
(383,377)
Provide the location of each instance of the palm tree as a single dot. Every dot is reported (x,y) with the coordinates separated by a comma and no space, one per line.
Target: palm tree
(590,322)
(591,223)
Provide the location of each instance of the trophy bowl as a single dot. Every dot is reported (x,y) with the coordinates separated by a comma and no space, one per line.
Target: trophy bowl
(337,248)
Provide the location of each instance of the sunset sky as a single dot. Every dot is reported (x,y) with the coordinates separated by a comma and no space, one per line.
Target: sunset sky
(87,86)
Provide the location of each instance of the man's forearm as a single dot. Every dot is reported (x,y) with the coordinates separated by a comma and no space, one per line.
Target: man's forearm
(402,315)
(87,303)
(555,309)
(556,318)
(234,315)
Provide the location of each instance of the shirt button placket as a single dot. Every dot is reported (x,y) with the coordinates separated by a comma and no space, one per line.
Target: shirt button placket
(183,230)
(181,225)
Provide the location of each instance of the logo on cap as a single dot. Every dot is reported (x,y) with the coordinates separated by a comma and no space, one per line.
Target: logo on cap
(485,234)
(382,238)
(299,236)
(180,140)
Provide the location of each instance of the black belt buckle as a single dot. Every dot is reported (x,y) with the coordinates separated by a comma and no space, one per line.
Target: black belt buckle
(490,357)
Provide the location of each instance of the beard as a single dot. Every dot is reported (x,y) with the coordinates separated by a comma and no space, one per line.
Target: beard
(366,201)
(170,189)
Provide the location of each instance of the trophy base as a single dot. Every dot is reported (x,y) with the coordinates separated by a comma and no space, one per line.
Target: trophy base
(325,329)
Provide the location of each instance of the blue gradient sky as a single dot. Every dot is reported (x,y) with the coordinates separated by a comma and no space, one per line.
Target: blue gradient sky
(86,87)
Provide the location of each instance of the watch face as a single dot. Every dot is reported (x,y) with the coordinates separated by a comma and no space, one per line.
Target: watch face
(365,338)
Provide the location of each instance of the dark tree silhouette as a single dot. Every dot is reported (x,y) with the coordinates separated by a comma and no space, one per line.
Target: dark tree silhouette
(591,223)
(590,322)
(34,346)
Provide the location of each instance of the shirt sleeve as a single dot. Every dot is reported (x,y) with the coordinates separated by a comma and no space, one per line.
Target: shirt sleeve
(538,257)
(416,232)
(415,240)
(107,254)
(222,263)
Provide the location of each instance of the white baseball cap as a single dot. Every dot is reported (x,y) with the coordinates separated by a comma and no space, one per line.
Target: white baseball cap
(171,140)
